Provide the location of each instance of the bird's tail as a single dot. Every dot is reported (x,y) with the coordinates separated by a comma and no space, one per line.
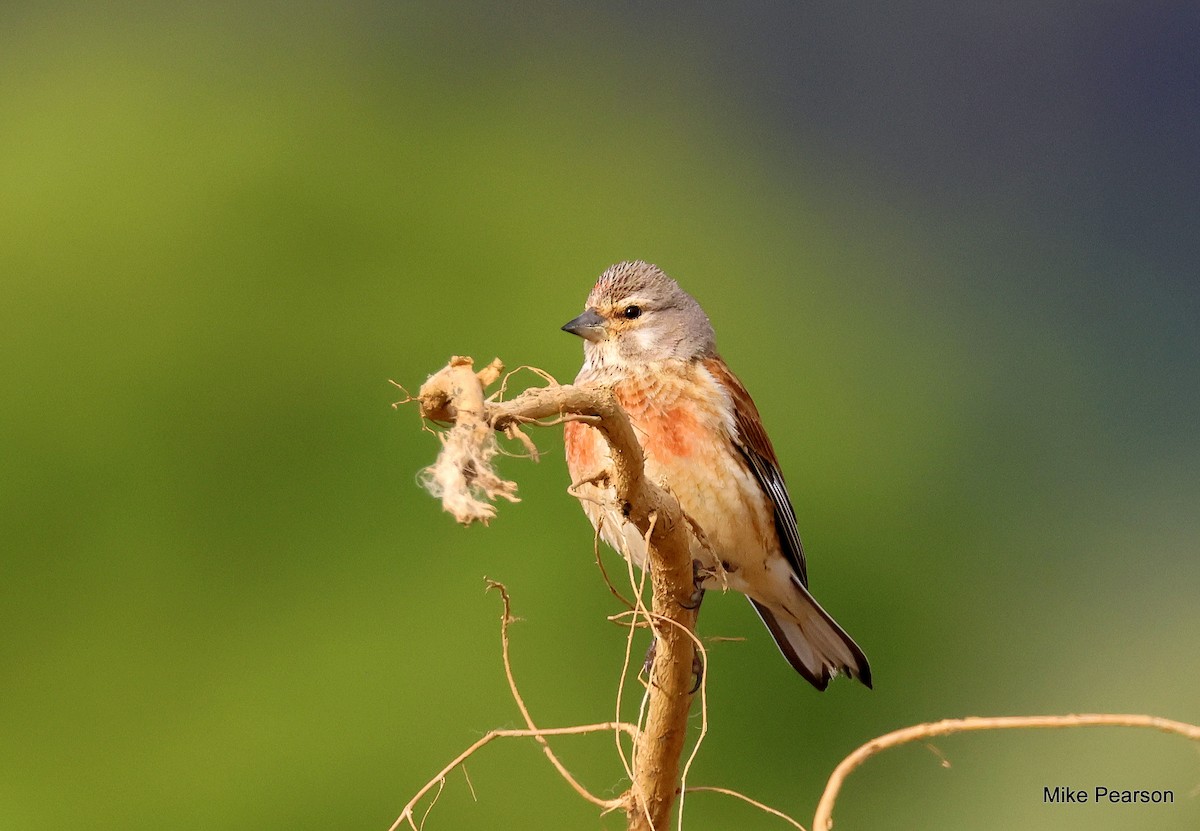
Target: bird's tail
(812,641)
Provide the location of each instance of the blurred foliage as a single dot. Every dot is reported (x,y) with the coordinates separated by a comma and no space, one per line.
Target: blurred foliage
(225,226)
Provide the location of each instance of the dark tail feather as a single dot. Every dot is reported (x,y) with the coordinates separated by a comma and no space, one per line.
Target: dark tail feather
(813,643)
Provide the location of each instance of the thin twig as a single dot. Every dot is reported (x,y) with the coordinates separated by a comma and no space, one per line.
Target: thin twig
(470,784)
(506,618)
(765,808)
(823,820)
(498,395)
(407,395)
(539,735)
(604,572)
(432,802)
(488,738)
(513,431)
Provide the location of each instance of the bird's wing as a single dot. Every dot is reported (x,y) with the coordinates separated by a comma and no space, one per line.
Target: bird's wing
(751,440)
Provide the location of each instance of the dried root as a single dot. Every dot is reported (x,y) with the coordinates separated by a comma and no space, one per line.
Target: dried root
(463,476)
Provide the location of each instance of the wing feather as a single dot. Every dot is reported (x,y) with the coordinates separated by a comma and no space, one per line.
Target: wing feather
(752,442)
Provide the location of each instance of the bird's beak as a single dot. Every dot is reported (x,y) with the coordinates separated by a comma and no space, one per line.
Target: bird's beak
(589,326)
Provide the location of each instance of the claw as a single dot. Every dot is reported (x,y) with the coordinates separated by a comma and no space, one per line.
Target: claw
(698,671)
(697,595)
(697,665)
(650,651)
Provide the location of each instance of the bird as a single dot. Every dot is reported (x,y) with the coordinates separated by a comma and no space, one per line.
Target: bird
(703,440)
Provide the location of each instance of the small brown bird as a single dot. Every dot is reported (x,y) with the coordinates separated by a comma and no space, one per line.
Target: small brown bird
(703,440)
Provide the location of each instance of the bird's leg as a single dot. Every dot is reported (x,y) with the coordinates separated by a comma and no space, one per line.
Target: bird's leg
(698,594)
(699,574)
(697,670)
(697,664)
(651,650)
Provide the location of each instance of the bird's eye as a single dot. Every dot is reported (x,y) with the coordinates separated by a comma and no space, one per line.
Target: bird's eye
(632,312)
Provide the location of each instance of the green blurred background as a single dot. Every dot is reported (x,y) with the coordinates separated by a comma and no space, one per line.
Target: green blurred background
(953,251)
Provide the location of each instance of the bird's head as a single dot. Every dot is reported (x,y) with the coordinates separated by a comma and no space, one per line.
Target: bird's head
(636,314)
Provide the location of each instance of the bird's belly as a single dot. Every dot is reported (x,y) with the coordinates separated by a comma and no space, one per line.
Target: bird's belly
(736,532)
(731,528)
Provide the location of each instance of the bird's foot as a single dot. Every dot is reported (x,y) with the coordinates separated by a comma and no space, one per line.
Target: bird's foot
(651,651)
(697,666)
(699,575)
(698,671)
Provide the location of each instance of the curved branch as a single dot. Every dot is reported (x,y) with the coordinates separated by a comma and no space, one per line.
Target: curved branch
(766,809)
(823,820)
(505,619)
(491,736)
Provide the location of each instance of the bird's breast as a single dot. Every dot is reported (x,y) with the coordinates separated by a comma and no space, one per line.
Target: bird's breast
(667,422)
(682,419)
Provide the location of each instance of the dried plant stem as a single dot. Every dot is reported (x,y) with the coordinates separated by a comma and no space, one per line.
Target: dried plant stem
(407,814)
(462,475)
(505,619)
(754,802)
(467,484)
(439,781)
(823,820)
